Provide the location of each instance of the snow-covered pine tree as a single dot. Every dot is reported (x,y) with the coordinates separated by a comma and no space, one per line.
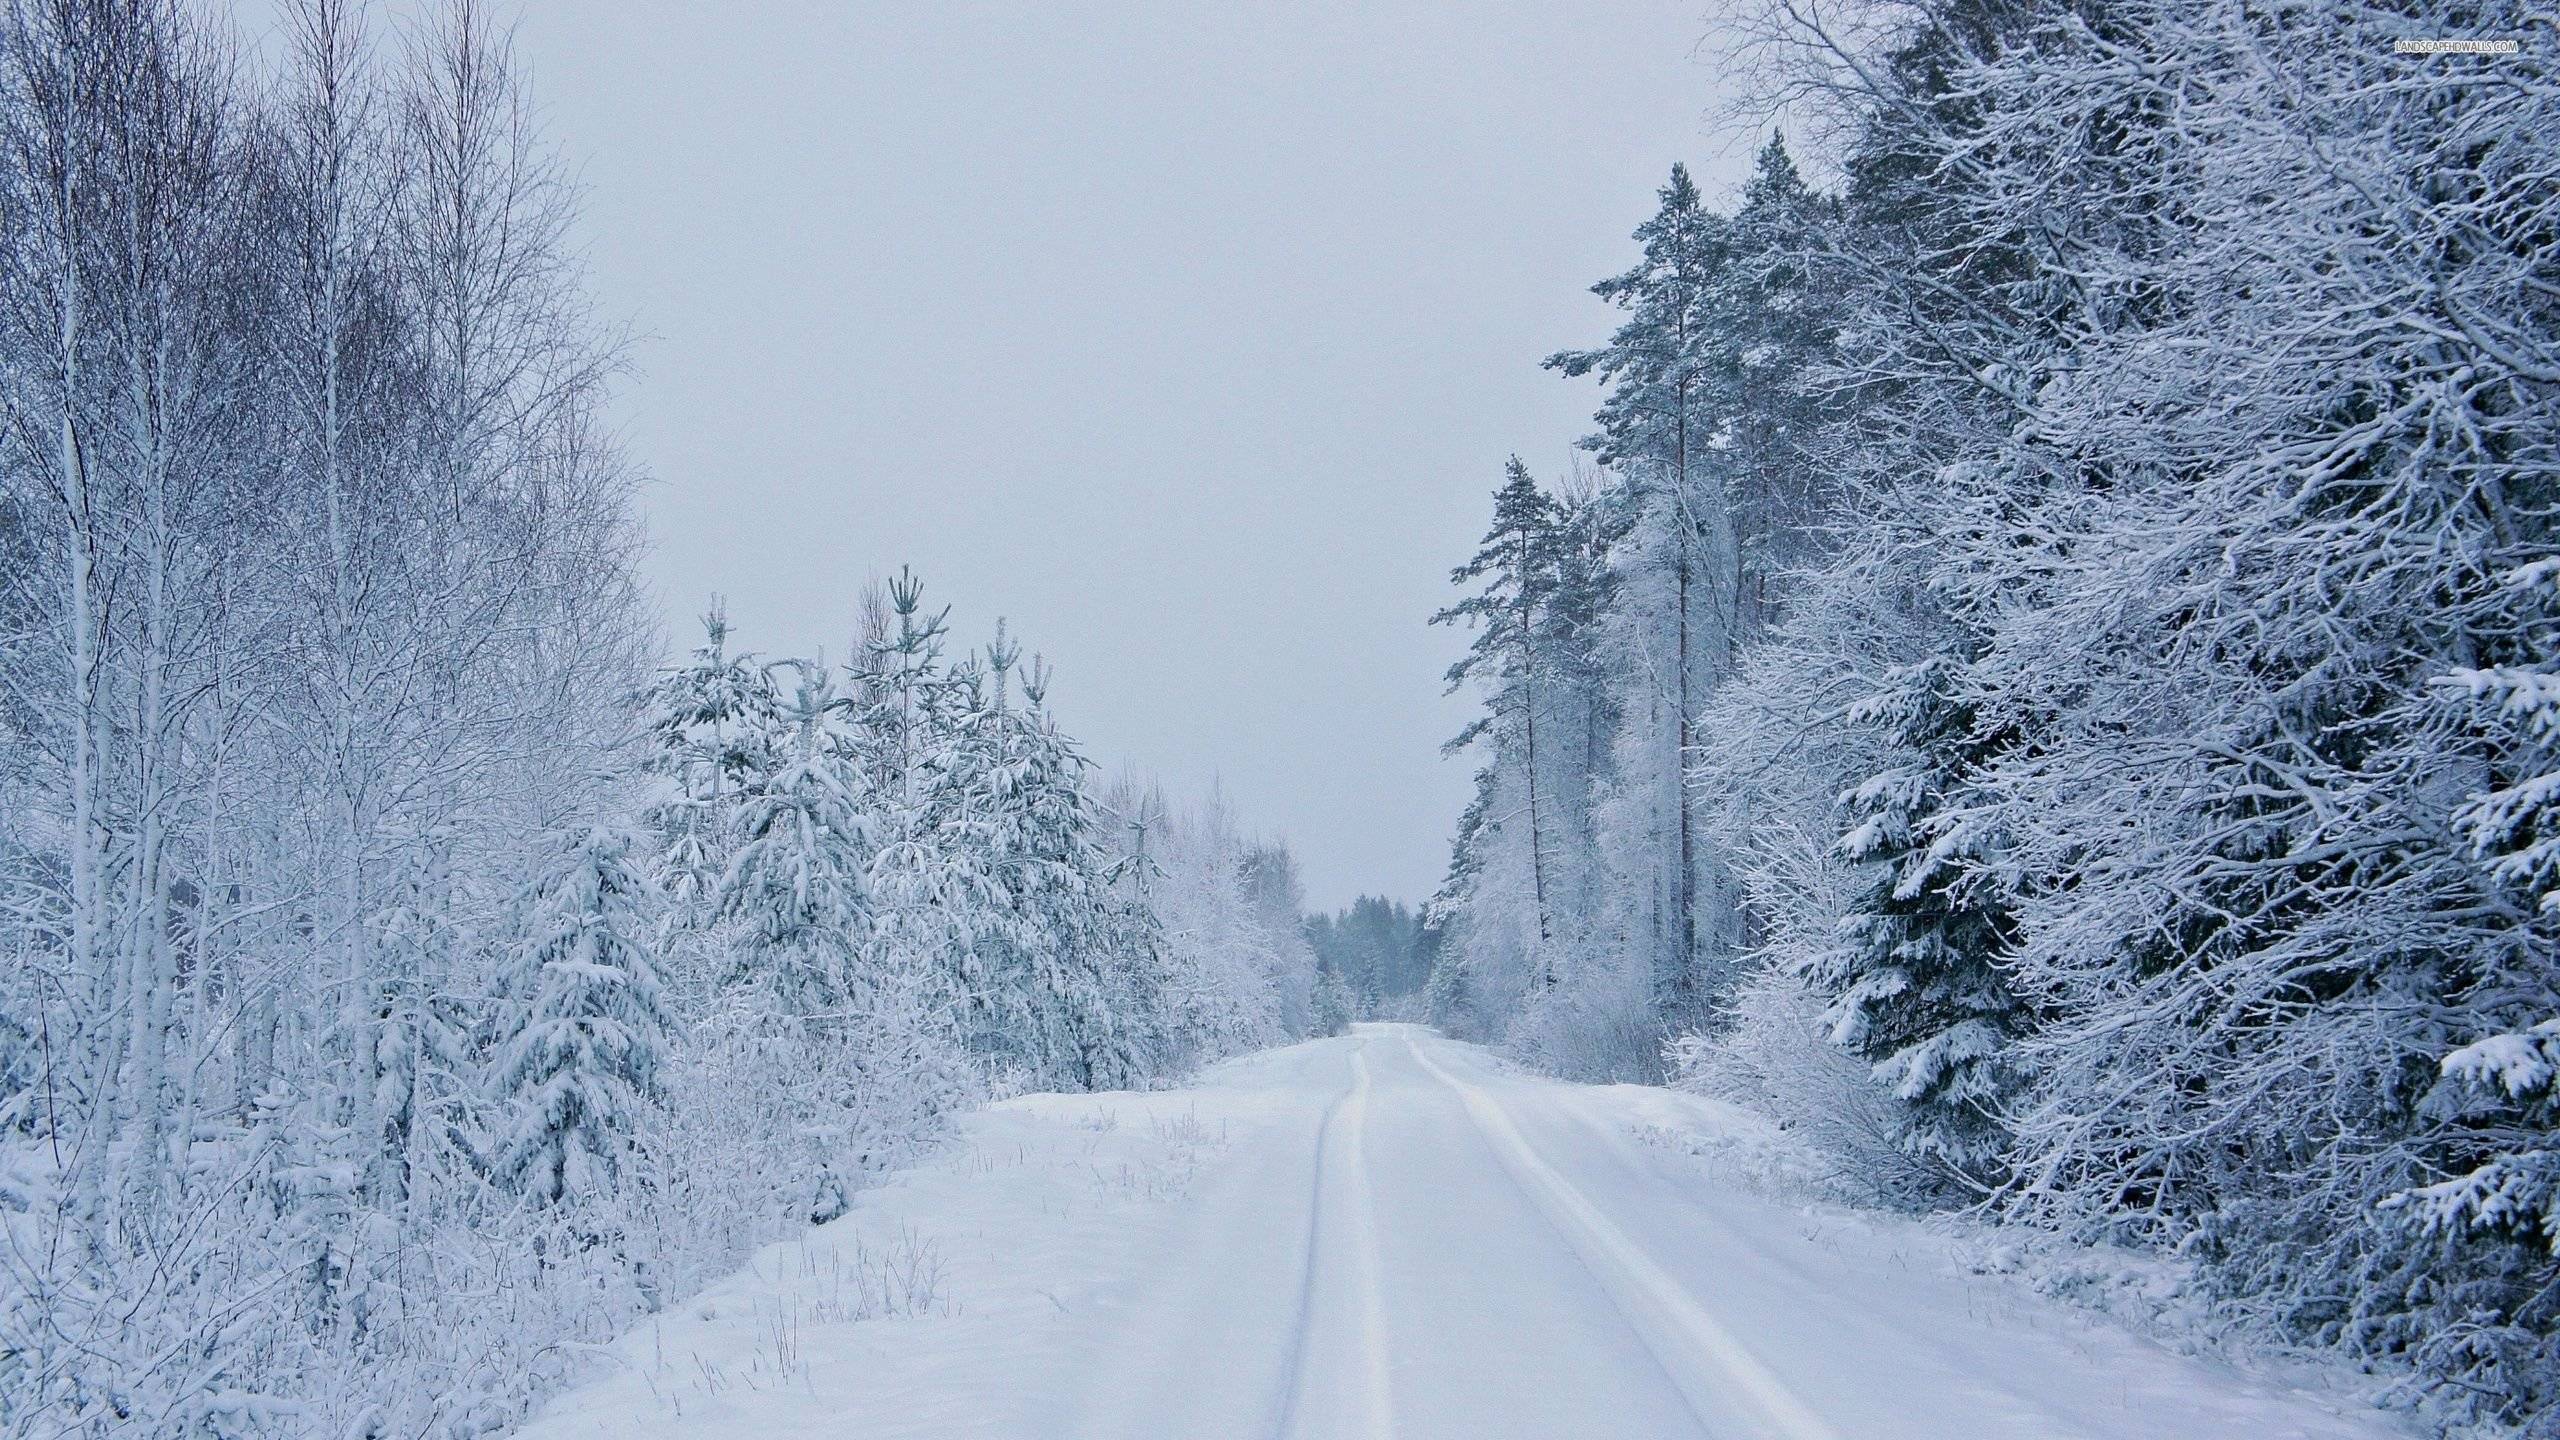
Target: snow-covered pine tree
(712,723)
(1225,962)
(800,855)
(1059,968)
(1771,324)
(1658,577)
(898,1054)
(1516,570)
(1587,704)
(1674,542)
(901,694)
(927,876)
(1278,901)
(582,1032)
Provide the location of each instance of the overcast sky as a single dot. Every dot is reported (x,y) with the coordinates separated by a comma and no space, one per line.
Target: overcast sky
(1190,337)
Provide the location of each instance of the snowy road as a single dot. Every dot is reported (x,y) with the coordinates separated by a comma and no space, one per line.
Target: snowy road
(1390,1235)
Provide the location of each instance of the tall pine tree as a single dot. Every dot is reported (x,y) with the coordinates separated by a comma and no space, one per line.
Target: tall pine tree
(1517,572)
(1656,434)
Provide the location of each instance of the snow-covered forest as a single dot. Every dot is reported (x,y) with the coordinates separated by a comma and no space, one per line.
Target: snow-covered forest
(2039,690)
(2046,684)
(1381,949)
(404,981)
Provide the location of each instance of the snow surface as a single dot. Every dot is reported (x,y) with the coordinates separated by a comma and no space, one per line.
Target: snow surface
(1387,1234)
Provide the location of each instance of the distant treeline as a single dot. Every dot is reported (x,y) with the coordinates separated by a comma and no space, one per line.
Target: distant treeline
(1381,948)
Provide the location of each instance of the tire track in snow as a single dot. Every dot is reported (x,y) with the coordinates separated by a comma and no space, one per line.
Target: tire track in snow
(1345,1205)
(1654,1301)
(2046,1422)
(1293,1367)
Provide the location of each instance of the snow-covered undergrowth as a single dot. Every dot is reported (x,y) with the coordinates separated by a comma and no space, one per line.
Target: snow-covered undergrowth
(1000,1242)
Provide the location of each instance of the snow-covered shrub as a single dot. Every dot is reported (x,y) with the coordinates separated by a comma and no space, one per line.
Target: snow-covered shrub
(1774,1055)
(1595,1026)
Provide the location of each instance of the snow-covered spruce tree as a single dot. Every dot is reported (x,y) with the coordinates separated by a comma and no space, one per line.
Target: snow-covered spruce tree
(1377,942)
(1857,352)
(1872,345)
(582,1031)
(2501,1092)
(1452,998)
(1915,968)
(2498,1221)
(1797,730)
(1336,1003)
(433,1109)
(1446,999)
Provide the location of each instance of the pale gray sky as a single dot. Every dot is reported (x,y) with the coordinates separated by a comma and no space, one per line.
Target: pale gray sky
(1189,336)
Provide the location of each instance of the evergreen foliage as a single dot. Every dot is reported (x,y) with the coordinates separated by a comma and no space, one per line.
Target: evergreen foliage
(584,1032)
(1916,973)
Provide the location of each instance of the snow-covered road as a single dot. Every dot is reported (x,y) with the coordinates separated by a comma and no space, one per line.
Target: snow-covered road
(1388,1234)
